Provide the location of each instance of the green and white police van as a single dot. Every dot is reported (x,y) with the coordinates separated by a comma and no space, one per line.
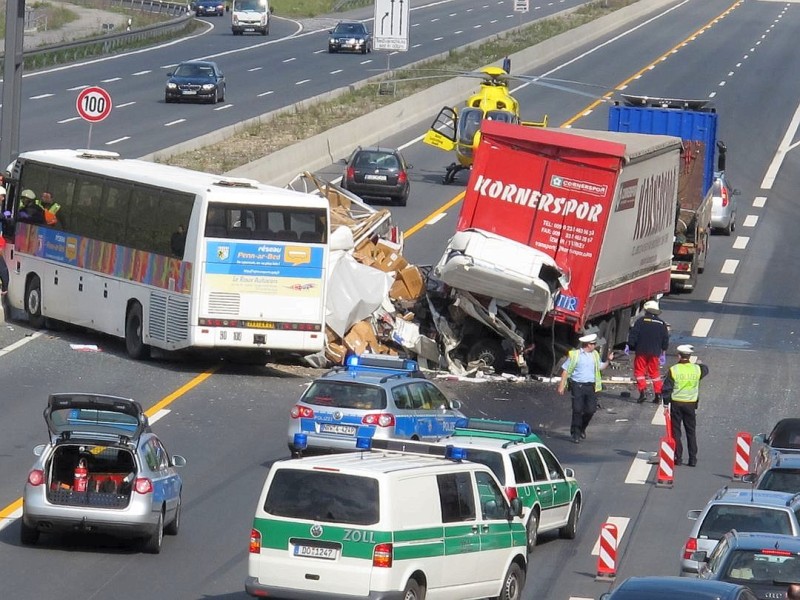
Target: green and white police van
(386,524)
(528,470)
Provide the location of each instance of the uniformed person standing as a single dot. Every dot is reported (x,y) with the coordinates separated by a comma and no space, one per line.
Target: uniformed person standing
(582,370)
(648,338)
(682,392)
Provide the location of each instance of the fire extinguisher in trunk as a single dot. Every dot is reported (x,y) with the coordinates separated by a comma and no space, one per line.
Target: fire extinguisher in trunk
(81,477)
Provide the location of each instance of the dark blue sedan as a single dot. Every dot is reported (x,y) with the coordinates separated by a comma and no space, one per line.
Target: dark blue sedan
(196,80)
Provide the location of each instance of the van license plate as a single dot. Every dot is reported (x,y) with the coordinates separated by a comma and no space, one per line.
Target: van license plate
(338,429)
(316,552)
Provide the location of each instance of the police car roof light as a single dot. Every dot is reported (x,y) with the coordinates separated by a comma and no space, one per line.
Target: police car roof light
(300,441)
(381,361)
(495,426)
(455,453)
(363,443)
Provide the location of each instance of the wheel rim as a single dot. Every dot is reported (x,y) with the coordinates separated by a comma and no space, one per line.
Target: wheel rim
(533,531)
(34,300)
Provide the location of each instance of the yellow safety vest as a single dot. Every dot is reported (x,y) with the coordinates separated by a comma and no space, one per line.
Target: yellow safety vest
(687,382)
(573,362)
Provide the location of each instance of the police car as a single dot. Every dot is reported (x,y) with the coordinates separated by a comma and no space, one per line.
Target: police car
(399,520)
(550,494)
(372,396)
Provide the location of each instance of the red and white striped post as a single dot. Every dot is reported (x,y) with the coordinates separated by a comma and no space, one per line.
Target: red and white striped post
(666,463)
(607,559)
(741,455)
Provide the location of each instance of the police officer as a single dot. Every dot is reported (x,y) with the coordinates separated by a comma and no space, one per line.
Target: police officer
(682,392)
(648,338)
(29,209)
(582,370)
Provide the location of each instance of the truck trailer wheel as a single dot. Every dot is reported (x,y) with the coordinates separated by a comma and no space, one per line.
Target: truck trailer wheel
(490,351)
(608,331)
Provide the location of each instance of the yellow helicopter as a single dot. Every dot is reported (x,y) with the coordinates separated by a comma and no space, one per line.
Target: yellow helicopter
(459,129)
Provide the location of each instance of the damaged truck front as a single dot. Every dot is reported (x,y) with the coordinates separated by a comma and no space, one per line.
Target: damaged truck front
(560,232)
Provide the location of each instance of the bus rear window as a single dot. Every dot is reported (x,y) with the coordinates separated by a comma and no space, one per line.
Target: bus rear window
(266,223)
(325,497)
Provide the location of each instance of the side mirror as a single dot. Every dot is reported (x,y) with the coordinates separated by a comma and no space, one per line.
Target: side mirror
(749,478)
(38,450)
(569,473)
(700,556)
(178,461)
(736,192)
(760,438)
(409,167)
(455,404)
(693,515)
(515,510)
(169,74)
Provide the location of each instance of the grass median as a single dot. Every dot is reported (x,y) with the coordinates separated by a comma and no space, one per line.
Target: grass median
(290,127)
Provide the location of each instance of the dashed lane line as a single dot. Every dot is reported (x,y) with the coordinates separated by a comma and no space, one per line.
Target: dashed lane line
(740,243)
(729,266)
(750,221)
(640,469)
(717,295)
(702,327)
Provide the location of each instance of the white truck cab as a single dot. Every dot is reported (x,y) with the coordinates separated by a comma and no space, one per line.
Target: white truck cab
(250,16)
(386,525)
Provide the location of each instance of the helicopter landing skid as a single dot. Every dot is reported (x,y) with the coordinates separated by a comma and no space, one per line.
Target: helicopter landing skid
(451,172)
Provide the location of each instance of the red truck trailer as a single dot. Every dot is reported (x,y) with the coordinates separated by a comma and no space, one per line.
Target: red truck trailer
(560,232)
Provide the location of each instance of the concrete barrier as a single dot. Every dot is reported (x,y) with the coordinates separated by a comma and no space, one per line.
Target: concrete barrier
(316,152)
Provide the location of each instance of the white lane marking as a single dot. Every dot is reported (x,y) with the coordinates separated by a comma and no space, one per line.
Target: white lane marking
(302,81)
(335,72)
(254,69)
(77,87)
(783,148)
(659,418)
(759,201)
(159,415)
(750,221)
(40,96)
(366,62)
(437,218)
(640,469)
(740,243)
(20,343)
(110,80)
(118,140)
(10,518)
(702,327)
(717,295)
(224,107)
(145,72)
(68,120)
(175,122)
(729,266)
(264,94)
(438,39)
(124,104)
(622,525)
(288,60)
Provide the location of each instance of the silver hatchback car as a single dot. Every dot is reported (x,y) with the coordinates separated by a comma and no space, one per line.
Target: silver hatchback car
(103,470)
(723,204)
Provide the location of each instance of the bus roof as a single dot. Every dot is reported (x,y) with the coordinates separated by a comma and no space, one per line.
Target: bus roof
(214,187)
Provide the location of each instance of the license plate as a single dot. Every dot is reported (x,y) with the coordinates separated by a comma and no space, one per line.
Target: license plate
(316,552)
(189,93)
(249,28)
(337,429)
(375,177)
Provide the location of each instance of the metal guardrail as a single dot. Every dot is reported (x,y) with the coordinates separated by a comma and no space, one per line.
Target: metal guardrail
(109,42)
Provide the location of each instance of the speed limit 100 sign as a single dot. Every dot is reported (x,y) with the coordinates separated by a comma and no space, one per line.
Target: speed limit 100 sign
(94,104)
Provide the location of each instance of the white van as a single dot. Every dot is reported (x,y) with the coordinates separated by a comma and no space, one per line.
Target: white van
(250,16)
(383,525)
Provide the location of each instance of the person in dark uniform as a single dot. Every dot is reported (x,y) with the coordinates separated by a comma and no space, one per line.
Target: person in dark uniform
(649,339)
(682,392)
(582,370)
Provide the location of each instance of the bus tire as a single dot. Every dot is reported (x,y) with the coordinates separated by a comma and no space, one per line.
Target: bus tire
(134,338)
(33,303)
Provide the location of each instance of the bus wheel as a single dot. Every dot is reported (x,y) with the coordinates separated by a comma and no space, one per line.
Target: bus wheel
(134,343)
(33,303)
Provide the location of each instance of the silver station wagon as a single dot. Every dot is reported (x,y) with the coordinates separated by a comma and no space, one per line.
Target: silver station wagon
(103,470)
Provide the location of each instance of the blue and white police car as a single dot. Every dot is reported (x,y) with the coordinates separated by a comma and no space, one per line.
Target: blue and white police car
(372,396)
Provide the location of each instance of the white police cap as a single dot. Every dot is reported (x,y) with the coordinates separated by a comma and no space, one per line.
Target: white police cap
(686,349)
(588,338)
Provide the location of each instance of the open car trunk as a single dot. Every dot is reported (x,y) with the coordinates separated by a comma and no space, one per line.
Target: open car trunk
(111,473)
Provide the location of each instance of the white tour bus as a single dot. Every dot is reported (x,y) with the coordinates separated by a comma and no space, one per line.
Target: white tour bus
(166,257)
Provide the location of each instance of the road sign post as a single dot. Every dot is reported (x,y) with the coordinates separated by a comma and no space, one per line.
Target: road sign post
(93,105)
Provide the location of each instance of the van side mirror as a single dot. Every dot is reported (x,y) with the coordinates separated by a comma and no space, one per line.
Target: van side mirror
(749,478)
(178,460)
(515,508)
(700,556)
(693,515)
(569,473)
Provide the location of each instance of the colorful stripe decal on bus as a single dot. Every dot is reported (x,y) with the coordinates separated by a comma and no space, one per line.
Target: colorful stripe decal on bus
(103,257)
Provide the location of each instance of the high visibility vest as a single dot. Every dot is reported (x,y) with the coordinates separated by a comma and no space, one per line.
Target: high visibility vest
(687,382)
(573,362)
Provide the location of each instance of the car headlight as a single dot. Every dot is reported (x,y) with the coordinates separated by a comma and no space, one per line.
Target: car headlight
(172,86)
(332,41)
(209,86)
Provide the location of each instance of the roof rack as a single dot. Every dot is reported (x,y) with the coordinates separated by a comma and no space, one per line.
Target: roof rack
(449,451)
